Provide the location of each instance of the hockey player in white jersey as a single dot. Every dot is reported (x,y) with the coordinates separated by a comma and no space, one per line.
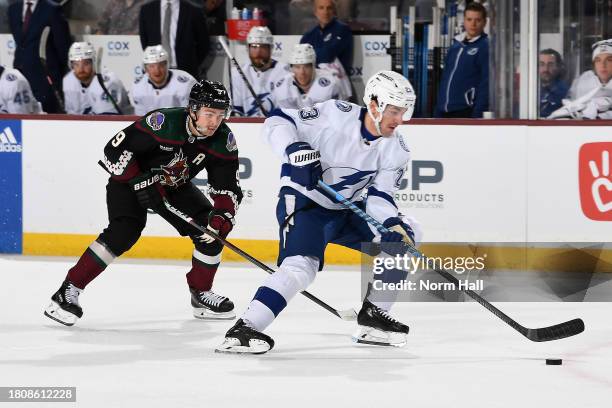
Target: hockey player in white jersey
(88,92)
(305,85)
(356,151)
(15,93)
(590,96)
(262,72)
(160,87)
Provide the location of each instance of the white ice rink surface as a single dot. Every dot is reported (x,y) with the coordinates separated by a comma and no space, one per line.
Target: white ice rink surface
(138,346)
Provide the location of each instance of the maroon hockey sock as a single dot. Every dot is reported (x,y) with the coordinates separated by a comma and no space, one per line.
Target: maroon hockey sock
(93,261)
(203,269)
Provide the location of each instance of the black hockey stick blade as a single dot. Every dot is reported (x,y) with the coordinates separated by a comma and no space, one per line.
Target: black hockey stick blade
(556,332)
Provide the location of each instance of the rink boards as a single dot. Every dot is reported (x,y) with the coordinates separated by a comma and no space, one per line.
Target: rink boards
(466,183)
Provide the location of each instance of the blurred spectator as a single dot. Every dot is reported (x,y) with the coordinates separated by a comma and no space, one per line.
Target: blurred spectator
(215,16)
(87,92)
(160,87)
(262,72)
(306,85)
(464,89)
(27,20)
(590,96)
(15,93)
(331,38)
(552,87)
(180,28)
(120,17)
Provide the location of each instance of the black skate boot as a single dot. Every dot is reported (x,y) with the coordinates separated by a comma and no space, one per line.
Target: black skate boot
(246,340)
(209,305)
(64,307)
(377,327)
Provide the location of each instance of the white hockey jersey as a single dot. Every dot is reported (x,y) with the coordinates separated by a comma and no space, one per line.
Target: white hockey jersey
(15,93)
(287,95)
(262,83)
(352,164)
(588,99)
(86,100)
(147,97)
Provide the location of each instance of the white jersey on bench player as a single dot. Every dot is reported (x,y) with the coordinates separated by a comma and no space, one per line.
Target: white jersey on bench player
(305,85)
(261,71)
(15,93)
(83,92)
(160,87)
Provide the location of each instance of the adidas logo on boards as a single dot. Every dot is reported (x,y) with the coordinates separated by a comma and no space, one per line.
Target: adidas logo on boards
(8,142)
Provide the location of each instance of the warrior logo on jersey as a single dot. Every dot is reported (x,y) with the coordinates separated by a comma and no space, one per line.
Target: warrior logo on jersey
(324,82)
(231,142)
(309,113)
(155,120)
(176,172)
(344,106)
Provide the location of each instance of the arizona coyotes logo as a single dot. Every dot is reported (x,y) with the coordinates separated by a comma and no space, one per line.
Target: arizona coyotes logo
(176,172)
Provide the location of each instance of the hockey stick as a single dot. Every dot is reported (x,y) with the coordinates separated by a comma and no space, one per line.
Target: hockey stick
(244,78)
(558,331)
(42,53)
(348,314)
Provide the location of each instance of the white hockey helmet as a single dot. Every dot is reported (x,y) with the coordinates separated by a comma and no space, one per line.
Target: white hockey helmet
(260,35)
(303,54)
(154,54)
(389,88)
(82,51)
(602,47)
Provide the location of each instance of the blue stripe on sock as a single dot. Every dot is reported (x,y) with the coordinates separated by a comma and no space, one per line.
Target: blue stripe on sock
(271,298)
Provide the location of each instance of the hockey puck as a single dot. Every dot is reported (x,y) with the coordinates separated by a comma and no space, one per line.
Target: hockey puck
(553,361)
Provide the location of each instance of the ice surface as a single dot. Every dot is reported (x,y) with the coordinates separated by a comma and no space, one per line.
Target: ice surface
(137,345)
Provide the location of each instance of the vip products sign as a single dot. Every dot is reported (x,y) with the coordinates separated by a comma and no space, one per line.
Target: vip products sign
(595,181)
(11,219)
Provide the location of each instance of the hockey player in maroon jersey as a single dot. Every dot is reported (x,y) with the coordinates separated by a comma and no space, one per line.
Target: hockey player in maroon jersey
(154,159)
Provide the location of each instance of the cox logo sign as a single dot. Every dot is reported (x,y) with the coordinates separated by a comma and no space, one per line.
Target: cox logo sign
(376,48)
(118,45)
(138,71)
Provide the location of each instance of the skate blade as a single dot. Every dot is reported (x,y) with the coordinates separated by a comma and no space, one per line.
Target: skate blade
(55,312)
(206,314)
(375,337)
(233,346)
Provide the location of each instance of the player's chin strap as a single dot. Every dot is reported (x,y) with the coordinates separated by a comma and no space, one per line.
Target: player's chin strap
(376,121)
(558,331)
(197,132)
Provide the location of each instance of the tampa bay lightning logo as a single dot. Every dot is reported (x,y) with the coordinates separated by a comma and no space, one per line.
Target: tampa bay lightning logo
(182,79)
(11,77)
(324,82)
(309,113)
(344,106)
(348,181)
(265,101)
(472,51)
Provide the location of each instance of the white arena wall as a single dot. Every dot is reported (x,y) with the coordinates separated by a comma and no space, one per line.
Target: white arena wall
(468,182)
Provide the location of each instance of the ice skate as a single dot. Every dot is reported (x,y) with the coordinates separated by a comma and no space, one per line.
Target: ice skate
(64,307)
(377,327)
(209,305)
(242,339)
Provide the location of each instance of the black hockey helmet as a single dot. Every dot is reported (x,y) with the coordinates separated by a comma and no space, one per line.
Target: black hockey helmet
(210,94)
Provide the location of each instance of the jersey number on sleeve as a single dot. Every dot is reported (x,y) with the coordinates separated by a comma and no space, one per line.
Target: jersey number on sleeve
(118,139)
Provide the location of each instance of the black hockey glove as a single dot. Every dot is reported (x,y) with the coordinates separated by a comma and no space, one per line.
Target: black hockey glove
(149,191)
(305,165)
